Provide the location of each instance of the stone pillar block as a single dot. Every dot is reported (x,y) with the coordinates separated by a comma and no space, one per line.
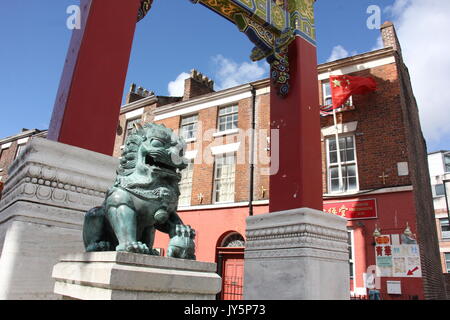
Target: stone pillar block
(299,254)
(129,276)
(50,187)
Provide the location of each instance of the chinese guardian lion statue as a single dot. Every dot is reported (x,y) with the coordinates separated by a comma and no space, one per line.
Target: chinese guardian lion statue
(143,198)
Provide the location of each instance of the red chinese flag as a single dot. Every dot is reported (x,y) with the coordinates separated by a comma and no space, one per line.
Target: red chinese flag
(343,87)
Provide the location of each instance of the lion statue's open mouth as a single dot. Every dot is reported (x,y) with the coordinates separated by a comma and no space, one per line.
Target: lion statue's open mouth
(143,198)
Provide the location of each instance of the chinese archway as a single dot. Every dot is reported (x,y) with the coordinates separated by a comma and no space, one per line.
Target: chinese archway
(88,102)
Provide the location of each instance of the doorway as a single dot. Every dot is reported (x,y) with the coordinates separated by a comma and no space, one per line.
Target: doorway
(230,262)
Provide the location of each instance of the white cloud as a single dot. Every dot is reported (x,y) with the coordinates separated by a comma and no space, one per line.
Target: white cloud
(176,88)
(422,27)
(339,52)
(229,73)
(397,7)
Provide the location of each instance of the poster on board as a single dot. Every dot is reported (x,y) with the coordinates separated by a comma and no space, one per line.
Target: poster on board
(397,260)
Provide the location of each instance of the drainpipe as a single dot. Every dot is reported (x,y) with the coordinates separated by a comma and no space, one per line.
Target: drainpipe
(220,273)
(252,153)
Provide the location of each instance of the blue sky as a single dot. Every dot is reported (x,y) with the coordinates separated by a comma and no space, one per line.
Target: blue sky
(174,38)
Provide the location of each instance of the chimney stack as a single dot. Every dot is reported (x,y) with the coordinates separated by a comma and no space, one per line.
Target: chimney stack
(196,85)
(137,94)
(389,36)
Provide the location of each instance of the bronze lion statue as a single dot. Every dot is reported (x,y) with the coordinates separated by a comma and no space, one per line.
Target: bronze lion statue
(143,199)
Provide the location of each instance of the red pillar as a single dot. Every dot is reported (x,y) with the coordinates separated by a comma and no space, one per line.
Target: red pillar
(87,106)
(298,182)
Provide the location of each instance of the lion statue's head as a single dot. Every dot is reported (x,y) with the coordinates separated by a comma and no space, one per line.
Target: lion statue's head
(152,151)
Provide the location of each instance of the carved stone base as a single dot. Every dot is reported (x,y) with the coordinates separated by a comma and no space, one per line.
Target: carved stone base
(50,187)
(299,254)
(129,276)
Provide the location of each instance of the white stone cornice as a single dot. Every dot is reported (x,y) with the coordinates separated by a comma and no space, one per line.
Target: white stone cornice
(19,136)
(216,99)
(138,104)
(357,63)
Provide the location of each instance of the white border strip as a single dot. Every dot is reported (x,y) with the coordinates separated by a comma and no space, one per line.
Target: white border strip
(191,154)
(342,128)
(337,196)
(23,140)
(134,113)
(358,67)
(225,148)
(6,145)
(205,105)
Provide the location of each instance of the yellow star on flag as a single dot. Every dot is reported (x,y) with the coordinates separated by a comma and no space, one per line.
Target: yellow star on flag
(337,83)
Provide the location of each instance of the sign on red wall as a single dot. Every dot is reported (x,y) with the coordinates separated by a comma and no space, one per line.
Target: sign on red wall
(352,209)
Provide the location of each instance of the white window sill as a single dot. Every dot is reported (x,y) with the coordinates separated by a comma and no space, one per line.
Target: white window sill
(190,140)
(226,132)
(348,193)
(223,202)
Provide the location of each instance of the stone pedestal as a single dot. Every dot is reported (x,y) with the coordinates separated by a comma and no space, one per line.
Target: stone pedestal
(299,254)
(129,276)
(50,187)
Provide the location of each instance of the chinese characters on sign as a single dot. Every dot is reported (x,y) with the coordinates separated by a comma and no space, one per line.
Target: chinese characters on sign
(352,209)
(397,260)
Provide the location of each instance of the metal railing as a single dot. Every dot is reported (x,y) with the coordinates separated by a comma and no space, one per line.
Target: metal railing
(233,288)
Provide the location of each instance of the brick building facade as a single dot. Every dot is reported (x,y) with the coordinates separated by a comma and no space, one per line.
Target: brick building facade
(10,148)
(383,164)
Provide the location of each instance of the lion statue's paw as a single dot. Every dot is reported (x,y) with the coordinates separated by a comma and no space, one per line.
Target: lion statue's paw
(182,244)
(134,247)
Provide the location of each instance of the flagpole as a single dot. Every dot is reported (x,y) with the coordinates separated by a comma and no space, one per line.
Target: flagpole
(338,150)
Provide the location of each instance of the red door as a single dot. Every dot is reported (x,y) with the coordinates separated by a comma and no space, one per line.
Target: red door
(232,276)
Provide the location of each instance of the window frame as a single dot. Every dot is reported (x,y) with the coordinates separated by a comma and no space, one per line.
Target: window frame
(132,120)
(447,261)
(343,164)
(1,154)
(19,150)
(325,83)
(445,235)
(435,193)
(446,165)
(190,171)
(194,123)
(235,123)
(215,179)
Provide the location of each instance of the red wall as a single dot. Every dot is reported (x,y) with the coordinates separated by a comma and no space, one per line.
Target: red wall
(210,226)
(393,211)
